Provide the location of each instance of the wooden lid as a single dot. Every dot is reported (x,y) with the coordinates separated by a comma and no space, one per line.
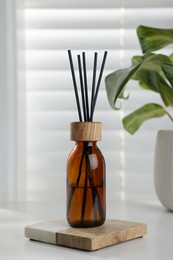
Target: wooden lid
(85,131)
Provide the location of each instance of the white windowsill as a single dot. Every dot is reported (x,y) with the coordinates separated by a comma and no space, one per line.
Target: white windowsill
(155,245)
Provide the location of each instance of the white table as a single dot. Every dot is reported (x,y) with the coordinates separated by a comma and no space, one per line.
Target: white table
(158,244)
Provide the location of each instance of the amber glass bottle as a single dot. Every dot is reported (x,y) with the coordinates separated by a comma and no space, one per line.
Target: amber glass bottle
(86,177)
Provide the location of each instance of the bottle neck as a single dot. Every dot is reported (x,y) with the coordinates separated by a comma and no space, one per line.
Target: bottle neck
(87,143)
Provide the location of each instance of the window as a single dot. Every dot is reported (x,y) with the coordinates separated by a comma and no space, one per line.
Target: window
(52,27)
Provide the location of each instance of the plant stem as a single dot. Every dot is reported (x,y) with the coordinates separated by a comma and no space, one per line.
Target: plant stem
(169,115)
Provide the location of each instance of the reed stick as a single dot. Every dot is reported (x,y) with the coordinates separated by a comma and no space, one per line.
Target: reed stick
(75,85)
(86,86)
(82,88)
(98,85)
(93,84)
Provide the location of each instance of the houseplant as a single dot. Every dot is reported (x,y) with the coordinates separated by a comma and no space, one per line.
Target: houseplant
(154,72)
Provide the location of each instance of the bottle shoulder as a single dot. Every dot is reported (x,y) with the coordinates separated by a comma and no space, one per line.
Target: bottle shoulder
(87,147)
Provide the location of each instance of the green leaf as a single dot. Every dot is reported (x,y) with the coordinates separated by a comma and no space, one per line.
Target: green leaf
(168,70)
(149,80)
(115,83)
(151,62)
(167,95)
(138,59)
(133,121)
(171,57)
(150,74)
(152,39)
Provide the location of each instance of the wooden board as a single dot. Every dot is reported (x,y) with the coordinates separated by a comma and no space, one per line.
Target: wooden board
(90,239)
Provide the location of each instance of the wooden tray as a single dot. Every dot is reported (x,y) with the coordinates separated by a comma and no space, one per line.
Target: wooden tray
(90,239)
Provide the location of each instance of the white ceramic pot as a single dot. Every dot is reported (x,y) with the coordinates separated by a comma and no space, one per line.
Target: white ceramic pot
(163,168)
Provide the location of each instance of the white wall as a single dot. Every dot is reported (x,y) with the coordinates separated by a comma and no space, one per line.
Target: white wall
(10,114)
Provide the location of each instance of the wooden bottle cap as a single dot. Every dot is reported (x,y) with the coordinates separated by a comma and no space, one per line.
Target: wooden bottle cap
(85,131)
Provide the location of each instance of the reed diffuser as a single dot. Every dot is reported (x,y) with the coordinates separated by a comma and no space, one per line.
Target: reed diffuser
(86,171)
